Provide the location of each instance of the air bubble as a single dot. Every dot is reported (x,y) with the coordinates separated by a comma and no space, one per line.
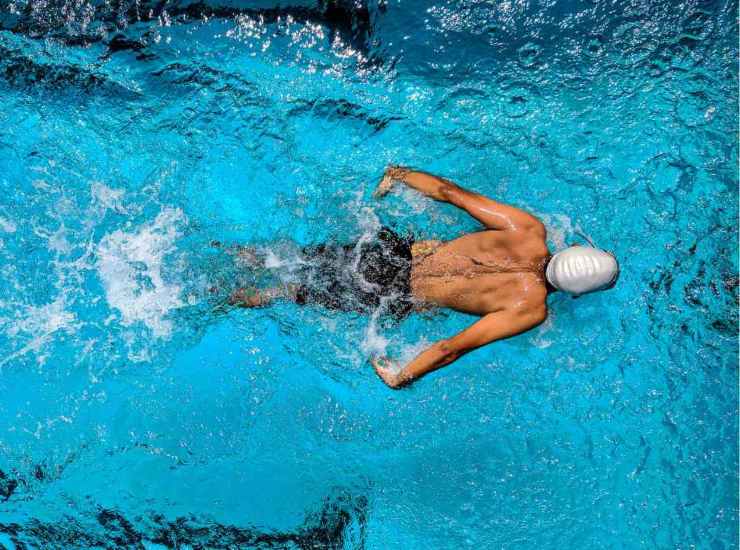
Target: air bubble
(595,47)
(529,54)
(694,109)
(518,100)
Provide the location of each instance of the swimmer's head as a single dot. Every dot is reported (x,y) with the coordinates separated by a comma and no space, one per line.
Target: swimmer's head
(582,269)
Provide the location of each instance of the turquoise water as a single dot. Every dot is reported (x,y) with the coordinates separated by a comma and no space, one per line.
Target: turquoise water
(137,413)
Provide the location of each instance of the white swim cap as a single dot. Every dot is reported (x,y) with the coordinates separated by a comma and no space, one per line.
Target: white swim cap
(582,269)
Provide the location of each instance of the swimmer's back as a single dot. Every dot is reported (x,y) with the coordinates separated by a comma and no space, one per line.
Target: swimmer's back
(484,271)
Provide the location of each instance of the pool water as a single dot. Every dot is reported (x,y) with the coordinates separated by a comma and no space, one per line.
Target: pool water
(137,412)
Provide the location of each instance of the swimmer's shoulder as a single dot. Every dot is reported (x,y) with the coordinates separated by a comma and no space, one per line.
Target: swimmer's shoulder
(532,297)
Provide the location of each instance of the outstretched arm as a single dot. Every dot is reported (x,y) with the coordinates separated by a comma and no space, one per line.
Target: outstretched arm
(490,213)
(493,326)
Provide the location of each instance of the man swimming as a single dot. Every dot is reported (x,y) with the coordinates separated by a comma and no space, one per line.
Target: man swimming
(502,274)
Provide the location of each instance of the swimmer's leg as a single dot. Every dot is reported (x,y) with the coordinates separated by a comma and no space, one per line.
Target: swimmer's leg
(253,297)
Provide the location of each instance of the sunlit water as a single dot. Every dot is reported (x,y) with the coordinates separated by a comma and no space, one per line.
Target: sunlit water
(135,412)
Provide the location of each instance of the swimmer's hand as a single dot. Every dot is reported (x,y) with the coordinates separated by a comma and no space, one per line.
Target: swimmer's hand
(390,177)
(388,372)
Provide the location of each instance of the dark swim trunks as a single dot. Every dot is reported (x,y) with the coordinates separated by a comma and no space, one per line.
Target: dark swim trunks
(361,277)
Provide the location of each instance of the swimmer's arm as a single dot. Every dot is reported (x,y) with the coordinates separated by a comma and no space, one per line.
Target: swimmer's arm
(490,213)
(492,327)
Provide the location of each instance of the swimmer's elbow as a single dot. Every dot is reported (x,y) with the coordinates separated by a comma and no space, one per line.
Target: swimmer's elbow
(446,192)
(539,316)
(532,225)
(530,317)
(539,228)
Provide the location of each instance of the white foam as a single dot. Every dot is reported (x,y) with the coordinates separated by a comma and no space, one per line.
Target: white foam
(368,221)
(58,241)
(376,345)
(370,226)
(107,197)
(418,202)
(373,343)
(42,320)
(277,258)
(539,336)
(130,267)
(7,226)
(560,229)
(272,260)
(38,324)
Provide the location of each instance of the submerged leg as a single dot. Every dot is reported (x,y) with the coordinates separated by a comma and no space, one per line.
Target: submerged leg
(249,255)
(254,297)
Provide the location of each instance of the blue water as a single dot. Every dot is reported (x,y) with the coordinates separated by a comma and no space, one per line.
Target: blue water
(136,413)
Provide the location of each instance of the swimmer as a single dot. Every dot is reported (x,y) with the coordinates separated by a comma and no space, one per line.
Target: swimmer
(502,273)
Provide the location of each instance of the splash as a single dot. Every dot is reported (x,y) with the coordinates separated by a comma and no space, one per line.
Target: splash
(560,229)
(130,266)
(370,225)
(107,197)
(38,325)
(414,200)
(540,337)
(373,343)
(7,226)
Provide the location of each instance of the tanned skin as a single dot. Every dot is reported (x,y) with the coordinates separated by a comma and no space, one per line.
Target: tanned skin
(496,273)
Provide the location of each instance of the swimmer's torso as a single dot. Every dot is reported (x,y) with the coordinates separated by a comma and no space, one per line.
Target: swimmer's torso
(481,272)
